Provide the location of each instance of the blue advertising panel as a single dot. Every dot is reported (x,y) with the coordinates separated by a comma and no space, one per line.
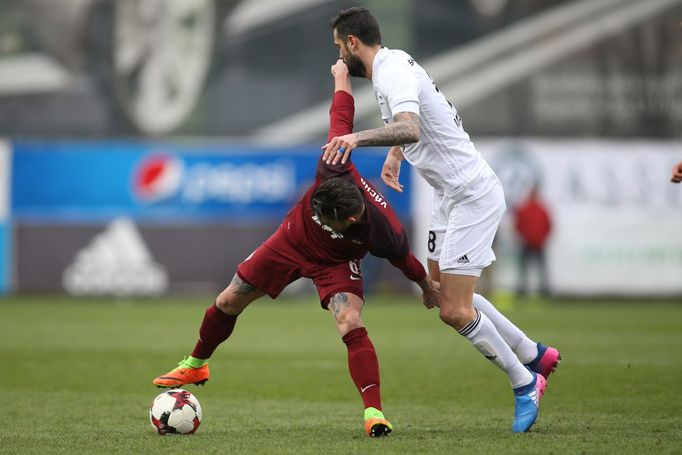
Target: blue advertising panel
(80,181)
(5,231)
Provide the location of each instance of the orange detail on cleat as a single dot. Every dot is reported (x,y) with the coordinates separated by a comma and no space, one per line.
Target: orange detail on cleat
(376,428)
(183,376)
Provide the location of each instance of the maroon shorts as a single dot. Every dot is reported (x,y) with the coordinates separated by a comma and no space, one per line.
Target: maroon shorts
(276,263)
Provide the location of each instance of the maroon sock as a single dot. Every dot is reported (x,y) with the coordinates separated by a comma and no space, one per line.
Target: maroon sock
(364,366)
(215,328)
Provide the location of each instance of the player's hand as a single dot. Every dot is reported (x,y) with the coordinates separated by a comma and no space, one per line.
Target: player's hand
(430,292)
(390,172)
(339,69)
(339,148)
(677,173)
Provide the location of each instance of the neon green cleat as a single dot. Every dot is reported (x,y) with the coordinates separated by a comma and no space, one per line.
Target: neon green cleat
(376,424)
(182,375)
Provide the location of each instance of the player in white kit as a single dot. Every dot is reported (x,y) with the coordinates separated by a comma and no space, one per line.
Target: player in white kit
(425,129)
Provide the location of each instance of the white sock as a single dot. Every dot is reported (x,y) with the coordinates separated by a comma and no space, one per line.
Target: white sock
(483,335)
(525,349)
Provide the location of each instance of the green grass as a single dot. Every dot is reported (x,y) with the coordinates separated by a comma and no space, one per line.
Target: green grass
(76,379)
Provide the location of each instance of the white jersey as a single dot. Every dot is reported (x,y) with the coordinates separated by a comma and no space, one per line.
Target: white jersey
(444,155)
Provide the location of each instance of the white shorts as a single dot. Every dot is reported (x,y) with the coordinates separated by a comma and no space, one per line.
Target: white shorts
(463,226)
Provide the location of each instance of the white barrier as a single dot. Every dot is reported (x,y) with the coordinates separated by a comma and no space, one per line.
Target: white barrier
(617,217)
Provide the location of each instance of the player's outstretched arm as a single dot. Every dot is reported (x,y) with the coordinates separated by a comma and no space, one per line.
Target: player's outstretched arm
(341,115)
(403,130)
(343,107)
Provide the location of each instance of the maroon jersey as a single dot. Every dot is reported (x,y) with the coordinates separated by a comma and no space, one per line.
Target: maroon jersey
(303,247)
(379,231)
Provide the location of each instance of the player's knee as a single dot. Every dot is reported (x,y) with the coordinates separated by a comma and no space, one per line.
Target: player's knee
(348,320)
(223,301)
(456,317)
(346,308)
(227,303)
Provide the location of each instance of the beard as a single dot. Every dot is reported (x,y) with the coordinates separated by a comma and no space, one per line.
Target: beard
(355,66)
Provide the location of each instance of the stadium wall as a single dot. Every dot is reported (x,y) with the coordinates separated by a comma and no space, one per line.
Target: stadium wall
(141,218)
(148,218)
(617,217)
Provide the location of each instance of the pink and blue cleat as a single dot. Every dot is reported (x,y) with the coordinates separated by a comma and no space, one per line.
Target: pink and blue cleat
(527,403)
(546,361)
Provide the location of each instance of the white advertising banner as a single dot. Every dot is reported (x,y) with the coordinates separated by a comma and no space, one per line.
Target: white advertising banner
(617,218)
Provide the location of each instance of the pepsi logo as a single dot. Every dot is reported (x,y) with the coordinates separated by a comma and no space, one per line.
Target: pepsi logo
(157,177)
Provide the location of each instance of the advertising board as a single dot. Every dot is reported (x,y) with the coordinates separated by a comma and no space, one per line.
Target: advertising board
(5,228)
(129,218)
(82,181)
(617,218)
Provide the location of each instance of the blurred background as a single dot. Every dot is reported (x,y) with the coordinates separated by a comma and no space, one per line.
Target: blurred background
(147,147)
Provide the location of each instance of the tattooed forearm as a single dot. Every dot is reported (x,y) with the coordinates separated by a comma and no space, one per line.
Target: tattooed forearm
(403,130)
(242,288)
(337,303)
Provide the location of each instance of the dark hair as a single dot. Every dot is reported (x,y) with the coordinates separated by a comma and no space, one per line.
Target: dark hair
(336,199)
(358,22)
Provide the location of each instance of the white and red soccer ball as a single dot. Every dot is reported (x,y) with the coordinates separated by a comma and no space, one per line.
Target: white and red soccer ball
(175,411)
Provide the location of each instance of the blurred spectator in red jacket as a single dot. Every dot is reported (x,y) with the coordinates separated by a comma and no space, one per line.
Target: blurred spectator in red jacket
(533,226)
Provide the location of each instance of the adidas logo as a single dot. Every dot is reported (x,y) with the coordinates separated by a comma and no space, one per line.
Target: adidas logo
(463,260)
(534,396)
(116,262)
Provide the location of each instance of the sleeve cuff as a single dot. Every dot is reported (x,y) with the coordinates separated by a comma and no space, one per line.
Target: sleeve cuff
(406,106)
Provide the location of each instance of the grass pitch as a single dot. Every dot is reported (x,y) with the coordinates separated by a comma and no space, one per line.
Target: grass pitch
(76,377)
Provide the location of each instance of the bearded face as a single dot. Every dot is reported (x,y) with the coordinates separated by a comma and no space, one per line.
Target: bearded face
(355,66)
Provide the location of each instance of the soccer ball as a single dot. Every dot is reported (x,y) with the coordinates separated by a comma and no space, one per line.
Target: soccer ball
(175,411)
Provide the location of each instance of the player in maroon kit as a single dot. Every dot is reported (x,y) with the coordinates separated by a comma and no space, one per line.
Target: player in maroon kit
(339,220)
